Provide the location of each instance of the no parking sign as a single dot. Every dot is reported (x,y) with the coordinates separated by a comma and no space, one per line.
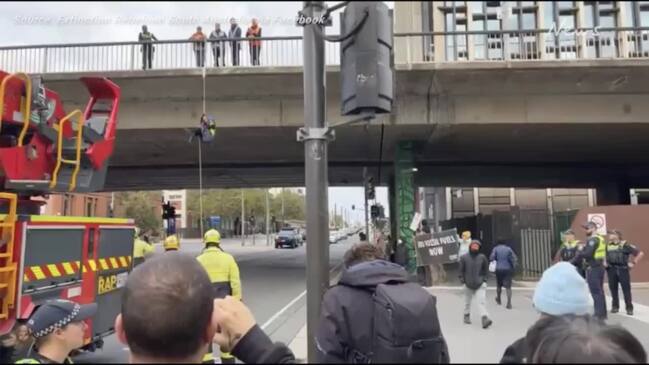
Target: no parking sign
(600,220)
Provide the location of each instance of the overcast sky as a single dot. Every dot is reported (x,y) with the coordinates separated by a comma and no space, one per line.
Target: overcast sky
(30,23)
(25,23)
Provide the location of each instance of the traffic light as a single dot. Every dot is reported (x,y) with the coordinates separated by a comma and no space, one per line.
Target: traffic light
(366,58)
(376,211)
(371,193)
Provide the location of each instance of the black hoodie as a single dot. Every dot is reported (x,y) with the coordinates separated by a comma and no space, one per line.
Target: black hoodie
(346,314)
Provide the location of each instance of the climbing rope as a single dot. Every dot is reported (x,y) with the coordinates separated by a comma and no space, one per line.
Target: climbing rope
(200,163)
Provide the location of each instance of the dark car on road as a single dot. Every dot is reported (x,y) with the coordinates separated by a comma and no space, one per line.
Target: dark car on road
(288,237)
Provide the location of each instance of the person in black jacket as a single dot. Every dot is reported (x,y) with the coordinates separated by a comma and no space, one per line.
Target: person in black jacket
(346,317)
(474,271)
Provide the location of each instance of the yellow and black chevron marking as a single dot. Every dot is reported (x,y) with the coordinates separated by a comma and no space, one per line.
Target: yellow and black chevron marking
(40,272)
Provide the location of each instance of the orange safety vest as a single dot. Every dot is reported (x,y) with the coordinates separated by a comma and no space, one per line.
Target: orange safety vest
(254,32)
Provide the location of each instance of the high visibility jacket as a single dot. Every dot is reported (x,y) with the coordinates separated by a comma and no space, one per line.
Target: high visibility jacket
(254,32)
(140,250)
(600,253)
(223,272)
(569,250)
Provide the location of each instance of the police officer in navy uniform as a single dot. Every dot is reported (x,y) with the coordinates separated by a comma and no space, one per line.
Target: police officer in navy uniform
(59,328)
(594,253)
(618,253)
(570,247)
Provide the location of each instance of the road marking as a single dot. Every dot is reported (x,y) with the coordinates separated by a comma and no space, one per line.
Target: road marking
(462,288)
(281,311)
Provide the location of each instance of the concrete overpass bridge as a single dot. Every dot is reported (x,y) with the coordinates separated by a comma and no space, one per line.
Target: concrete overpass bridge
(513,122)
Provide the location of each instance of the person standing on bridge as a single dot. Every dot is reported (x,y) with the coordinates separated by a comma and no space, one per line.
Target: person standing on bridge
(198,39)
(618,254)
(253,33)
(235,44)
(223,272)
(217,37)
(595,255)
(145,37)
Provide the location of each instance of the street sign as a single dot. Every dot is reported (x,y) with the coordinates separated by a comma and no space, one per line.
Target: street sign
(437,248)
(600,220)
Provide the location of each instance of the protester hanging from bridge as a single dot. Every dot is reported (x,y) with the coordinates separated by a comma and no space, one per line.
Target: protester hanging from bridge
(205,131)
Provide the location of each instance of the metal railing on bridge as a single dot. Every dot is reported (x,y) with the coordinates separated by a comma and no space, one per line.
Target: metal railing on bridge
(423,47)
(166,54)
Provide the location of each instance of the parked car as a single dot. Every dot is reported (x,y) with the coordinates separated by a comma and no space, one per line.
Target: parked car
(288,237)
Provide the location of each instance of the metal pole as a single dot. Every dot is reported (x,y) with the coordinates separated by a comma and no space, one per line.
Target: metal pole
(243,221)
(282,225)
(267,220)
(200,183)
(315,163)
(367,215)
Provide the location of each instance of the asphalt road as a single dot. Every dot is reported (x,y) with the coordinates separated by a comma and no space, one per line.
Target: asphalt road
(271,279)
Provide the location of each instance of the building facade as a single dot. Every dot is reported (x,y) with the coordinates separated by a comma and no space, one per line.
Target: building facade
(79,205)
(178,199)
(500,30)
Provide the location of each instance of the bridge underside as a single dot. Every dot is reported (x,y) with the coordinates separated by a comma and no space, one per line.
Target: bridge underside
(525,155)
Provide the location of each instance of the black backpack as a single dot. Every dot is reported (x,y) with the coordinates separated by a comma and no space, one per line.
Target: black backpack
(405,327)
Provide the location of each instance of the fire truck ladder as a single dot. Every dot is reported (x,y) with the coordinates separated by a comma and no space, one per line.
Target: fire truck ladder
(8,267)
(59,151)
(27,106)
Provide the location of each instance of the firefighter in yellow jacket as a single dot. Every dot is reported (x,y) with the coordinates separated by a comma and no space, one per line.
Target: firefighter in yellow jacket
(141,249)
(224,275)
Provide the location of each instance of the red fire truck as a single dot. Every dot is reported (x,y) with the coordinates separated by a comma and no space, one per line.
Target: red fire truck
(44,150)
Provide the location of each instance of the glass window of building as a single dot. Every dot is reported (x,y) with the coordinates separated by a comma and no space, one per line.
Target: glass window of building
(532,199)
(636,14)
(602,14)
(462,203)
(485,15)
(455,20)
(523,45)
(561,18)
(491,199)
(569,199)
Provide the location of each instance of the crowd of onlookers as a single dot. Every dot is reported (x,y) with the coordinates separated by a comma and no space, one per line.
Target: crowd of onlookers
(374,314)
(218,40)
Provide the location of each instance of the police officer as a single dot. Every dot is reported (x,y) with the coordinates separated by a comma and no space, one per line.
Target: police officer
(224,276)
(569,249)
(141,249)
(171,243)
(594,253)
(58,327)
(618,253)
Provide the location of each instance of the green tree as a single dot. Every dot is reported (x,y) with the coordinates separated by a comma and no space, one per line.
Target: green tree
(141,206)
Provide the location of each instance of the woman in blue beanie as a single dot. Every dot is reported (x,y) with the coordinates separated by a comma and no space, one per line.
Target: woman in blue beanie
(561,291)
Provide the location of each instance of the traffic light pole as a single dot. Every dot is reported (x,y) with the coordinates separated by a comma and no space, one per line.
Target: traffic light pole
(315,135)
(367,209)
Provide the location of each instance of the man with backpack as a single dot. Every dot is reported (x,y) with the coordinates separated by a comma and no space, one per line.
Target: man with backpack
(374,315)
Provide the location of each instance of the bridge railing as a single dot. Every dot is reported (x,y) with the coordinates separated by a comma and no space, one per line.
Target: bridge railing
(422,47)
(512,45)
(166,54)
